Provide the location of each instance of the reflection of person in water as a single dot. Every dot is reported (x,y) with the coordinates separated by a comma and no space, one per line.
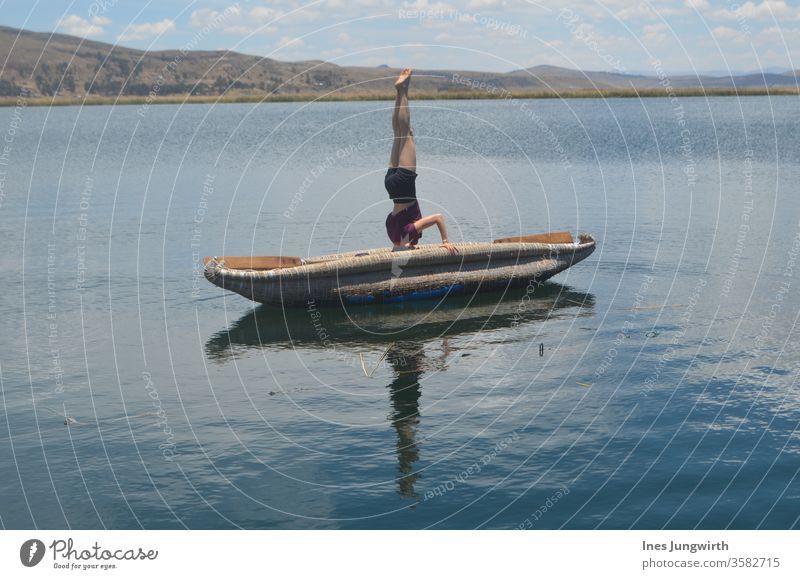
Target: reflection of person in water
(409,363)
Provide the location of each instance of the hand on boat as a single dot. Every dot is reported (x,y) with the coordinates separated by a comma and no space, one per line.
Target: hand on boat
(450,247)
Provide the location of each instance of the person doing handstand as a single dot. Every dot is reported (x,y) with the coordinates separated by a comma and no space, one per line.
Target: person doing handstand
(405,223)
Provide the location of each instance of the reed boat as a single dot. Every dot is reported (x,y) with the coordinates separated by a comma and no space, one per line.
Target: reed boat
(382,275)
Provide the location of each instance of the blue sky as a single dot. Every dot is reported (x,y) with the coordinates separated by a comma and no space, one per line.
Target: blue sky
(496,35)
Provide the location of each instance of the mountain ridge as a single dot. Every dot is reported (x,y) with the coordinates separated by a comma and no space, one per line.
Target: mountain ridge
(58,65)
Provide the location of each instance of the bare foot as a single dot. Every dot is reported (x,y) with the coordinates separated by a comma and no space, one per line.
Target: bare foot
(404,78)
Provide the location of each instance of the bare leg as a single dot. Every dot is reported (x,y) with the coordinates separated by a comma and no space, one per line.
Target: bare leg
(404,150)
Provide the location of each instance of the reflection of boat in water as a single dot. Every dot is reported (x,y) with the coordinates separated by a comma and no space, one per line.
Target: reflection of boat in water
(383,275)
(270,327)
(416,338)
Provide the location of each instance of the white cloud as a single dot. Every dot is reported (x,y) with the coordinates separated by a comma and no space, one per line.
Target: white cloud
(486,4)
(234,20)
(655,33)
(470,40)
(697,4)
(258,20)
(439,23)
(428,6)
(777,35)
(77,26)
(649,10)
(333,53)
(766,10)
(626,9)
(203,17)
(344,38)
(147,30)
(288,41)
(636,10)
(727,33)
(338,4)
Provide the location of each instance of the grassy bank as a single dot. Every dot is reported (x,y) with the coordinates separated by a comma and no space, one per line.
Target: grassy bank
(450,95)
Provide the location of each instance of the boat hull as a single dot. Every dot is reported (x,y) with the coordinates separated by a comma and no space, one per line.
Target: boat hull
(380,275)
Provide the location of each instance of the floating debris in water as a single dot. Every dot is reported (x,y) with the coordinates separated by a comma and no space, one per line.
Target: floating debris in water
(364,367)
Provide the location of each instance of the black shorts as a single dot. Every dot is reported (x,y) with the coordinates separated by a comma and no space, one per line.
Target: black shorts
(399,183)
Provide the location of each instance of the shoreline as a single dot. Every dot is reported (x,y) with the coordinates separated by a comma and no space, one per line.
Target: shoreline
(340,97)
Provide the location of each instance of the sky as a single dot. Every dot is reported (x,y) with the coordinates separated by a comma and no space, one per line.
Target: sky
(493,35)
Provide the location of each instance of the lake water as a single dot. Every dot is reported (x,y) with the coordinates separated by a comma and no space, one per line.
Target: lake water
(136,394)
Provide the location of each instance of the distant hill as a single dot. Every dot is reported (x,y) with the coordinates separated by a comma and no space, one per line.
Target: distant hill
(66,66)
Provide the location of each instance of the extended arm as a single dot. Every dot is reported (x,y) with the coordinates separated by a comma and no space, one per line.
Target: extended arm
(438,220)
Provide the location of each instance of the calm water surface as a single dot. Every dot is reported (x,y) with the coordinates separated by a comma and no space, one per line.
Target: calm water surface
(135,394)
